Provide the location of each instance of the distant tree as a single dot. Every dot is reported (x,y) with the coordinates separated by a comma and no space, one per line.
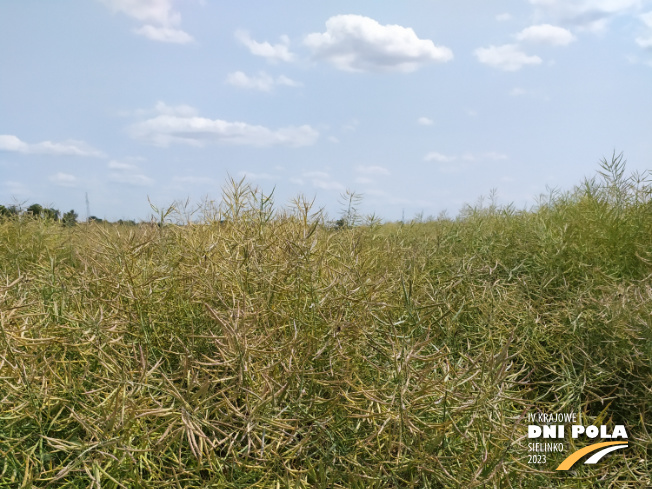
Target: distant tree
(51,213)
(95,219)
(7,212)
(70,218)
(35,210)
(129,222)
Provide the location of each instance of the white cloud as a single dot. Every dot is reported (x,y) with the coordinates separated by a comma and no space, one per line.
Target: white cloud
(546,34)
(327,184)
(319,179)
(358,43)
(364,180)
(262,81)
(493,155)
(288,82)
(351,126)
(157,12)
(591,15)
(646,18)
(271,52)
(439,157)
(425,121)
(181,110)
(9,142)
(135,179)
(164,34)
(128,173)
(185,127)
(63,179)
(70,147)
(466,156)
(507,57)
(372,170)
(645,43)
(503,17)
(119,165)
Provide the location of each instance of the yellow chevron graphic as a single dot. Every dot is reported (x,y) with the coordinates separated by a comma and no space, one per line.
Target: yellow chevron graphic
(574,457)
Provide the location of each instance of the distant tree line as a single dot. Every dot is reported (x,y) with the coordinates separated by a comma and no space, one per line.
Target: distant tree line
(37,211)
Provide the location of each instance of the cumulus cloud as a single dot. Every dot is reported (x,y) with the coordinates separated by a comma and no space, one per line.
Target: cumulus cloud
(467,156)
(438,157)
(357,43)
(164,34)
(158,11)
(646,42)
(271,52)
(180,125)
(318,179)
(365,172)
(134,179)
(372,170)
(507,57)
(591,15)
(351,126)
(70,147)
(518,91)
(180,110)
(129,174)
(493,155)
(63,179)
(159,17)
(364,180)
(425,121)
(119,165)
(262,81)
(546,34)
(646,18)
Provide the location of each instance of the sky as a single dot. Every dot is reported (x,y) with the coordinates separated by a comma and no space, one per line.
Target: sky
(420,106)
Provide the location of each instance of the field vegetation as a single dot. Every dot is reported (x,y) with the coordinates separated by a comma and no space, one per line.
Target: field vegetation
(242,344)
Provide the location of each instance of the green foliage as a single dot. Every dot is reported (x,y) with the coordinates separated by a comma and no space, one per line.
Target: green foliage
(261,348)
(7,212)
(36,211)
(69,218)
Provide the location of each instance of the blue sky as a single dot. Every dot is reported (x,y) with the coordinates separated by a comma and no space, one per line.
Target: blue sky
(420,106)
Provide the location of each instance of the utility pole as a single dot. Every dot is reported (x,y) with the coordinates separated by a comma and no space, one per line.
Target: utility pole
(88,208)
